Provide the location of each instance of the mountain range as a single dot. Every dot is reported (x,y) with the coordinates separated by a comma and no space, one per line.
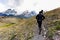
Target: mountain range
(25,14)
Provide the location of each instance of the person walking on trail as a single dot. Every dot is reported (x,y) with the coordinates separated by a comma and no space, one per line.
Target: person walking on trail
(39,19)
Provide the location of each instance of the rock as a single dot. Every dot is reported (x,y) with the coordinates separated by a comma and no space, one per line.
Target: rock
(57,35)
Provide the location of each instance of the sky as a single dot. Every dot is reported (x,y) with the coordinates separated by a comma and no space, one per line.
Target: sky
(22,5)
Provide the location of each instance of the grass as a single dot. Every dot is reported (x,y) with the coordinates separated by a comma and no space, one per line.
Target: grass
(13,36)
(53,29)
(7,25)
(52,22)
(51,32)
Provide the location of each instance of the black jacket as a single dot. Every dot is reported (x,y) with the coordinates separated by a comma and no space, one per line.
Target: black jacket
(40,17)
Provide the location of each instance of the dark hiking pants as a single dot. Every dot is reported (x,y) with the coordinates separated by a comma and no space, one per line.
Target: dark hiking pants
(39,26)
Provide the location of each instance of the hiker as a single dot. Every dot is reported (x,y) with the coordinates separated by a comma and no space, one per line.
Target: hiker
(39,19)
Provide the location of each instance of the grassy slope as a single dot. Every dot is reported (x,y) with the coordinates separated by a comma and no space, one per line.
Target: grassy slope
(19,29)
(52,21)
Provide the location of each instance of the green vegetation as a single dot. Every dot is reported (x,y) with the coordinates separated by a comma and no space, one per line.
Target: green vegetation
(51,32)
(7,25)
(52,22)
(57,27)
(53,29)
(13,36)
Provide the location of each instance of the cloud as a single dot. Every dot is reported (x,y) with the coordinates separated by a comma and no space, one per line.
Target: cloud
(48,4)
(37,5)
(6,4)
(2,7)
(11,3)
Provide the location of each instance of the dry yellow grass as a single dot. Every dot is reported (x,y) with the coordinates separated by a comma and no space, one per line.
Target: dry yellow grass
(23,29)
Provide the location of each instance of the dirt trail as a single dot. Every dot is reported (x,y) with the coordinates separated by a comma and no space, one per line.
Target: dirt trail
(37,36)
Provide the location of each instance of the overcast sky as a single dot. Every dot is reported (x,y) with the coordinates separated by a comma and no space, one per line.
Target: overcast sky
(22,5)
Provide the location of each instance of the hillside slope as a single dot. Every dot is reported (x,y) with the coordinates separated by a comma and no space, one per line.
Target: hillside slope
(17,29)
(52,23)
